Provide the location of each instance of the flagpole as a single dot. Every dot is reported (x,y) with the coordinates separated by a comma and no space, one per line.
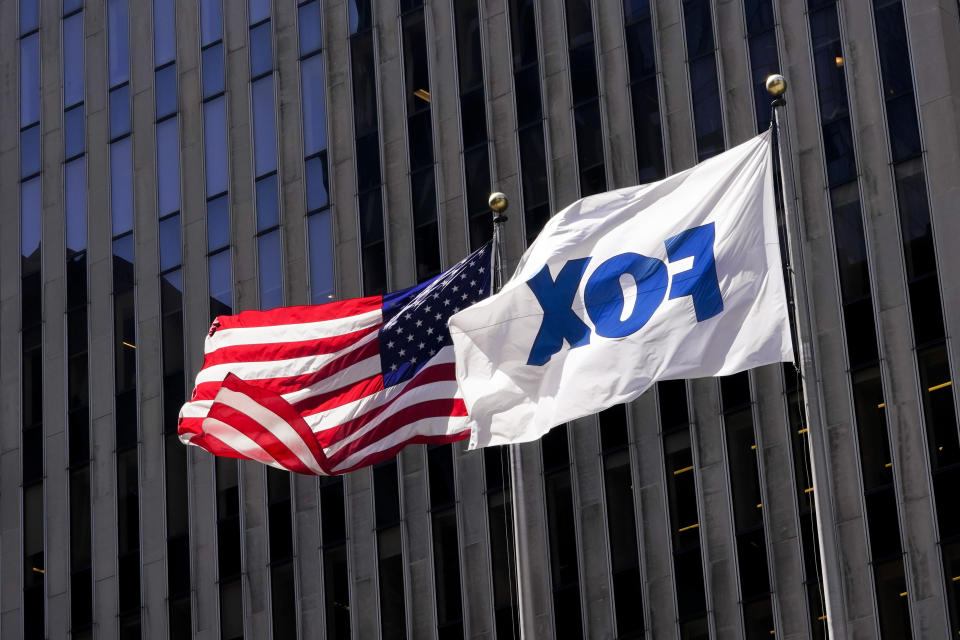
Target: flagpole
(521,543)
(809,373)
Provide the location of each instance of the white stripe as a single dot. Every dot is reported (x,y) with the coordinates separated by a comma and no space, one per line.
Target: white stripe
(196,409)
(239,442)
(343,378)
(443,390)
(277,368)
(335,416)
(270,421)
(431,426)
(294,332)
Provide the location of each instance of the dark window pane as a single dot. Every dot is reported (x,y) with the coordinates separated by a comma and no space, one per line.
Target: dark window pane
(271,270)
(259,10)
(73,132)
(526,83)
(861,332)
(583,73)
(421,140)
(427,247)
(75,204)
(314,107)
(613,428)
(469,56)
(554,449)
(73,59)
(752,561)
(168,166)
(268,206)
(118,45)
(386,494)
(925,310)
(281,531)
(951,568)
(416,73)
(212,71)
(30,154)
(440,465)
(875,460)
(446,567)
(523,30)
(215,146)
(308,21)
(423,194)
(337,593)
(374,266)
(533,164)
(371,218)
(218,223)
(636,9)
(735,391)
(744,476)
(364,84)
(390,569)
(333,528)
(166,90)
(758,619)
(698,25)
(640,51)
(211,21)
(849,239)
(119,111)
(938,407)
(579,22)
(29,80)
(360,15)
(563,539)
(81,599)
(29,16)
(589,142)
(317,182)
(164,32)
(264,137)
(945,483)
(883,524)
(764,61)
(893,48)
(473,115)
(759,15)
(689,576)
(904,131)
(221,284)
(121,186)
(321,257)
(178,566)
(170,250)
(284,601)
(228,548)
(231,609)
(707,115)
(918,248)
(672,396)
(892,603)
(368,161)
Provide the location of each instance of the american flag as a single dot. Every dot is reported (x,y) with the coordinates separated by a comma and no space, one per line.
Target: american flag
(327,389)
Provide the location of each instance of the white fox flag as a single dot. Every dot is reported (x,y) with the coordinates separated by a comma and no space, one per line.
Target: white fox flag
(676,279)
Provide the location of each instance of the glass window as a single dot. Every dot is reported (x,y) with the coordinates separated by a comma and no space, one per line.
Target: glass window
(259,10)
(533,165)
(523,31)
(261,56)
(526,85)
(314,107)
(221,284)
(473,116)
(640,51)
(317,182)
(386,494)
(268,207)
(446,569)
(118,43)
(170,242)
(850,244)
(583,73)
(390,570)
(166,91)
(416,72)
(368,161)
(218,223)
(424,196)
(73,59)
(589,145)
(311,36)
(164,32)
(30,219)
(707,114)
(73,134)
(215,143)
(212,62)
(861,332)
(211,22)
(360,16)
(333,528)
(29,16)
(30,151)
(420,130)
(759,15)
(264,137)
(119,111)
(75,204)
(917,235)
(364,85)
(938,408)
(168,166)
(838,152)
(469,55)
(121,186)
(904,131)
(321,257)
(271,270)
(29,80)
(646,127)
(579,22)
(371,217)
(698,26)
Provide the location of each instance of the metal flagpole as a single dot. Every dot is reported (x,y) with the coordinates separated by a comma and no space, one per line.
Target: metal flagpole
(498,204)
(809,374)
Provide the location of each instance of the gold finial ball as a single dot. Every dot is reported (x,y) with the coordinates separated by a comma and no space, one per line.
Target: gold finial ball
(776,85)
(498,201)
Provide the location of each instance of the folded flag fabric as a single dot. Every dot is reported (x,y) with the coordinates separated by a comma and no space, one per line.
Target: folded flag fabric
(676,279)
(327,389)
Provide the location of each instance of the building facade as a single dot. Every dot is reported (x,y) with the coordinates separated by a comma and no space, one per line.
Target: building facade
(165,162)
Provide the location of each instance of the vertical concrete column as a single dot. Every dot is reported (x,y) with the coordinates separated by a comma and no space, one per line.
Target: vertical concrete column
(419,587)
(714,504)
(614,78)
(733,69)
(531,509)
(290,153)
(473,530)
(590,516)
(678,137)
(362,554)
(653,528)
(343,175)
(56,503)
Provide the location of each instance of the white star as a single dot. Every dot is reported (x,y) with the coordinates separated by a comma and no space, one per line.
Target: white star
(433,352)
(473,283)
(456,289)
(463,276)
(456,309)
(436,295)
(419,322)
(422,345)
(481,269)
(437,316)
(402,353)
(440,337)
(393,367)
(429,331)
(409,337)
(413,360)
(390,345)
(446,303)
(400,330)
(407,316)
(473,262)
(427,308)
(463,297)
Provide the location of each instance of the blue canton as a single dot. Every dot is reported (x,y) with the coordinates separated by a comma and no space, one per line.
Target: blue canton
(415,319)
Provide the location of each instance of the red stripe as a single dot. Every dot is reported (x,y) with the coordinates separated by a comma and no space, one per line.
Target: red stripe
(284,410)
(217,447)
(337,397)
(208,390)
(296,315)
(435,373)
(259,434)
(452,407)
(266,352)
(386,454)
